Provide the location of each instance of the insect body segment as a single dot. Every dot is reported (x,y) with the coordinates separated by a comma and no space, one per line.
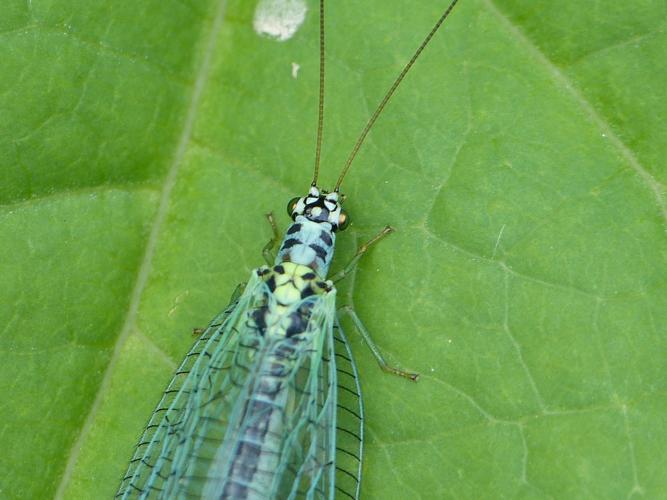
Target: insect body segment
(290,284)
(310,239)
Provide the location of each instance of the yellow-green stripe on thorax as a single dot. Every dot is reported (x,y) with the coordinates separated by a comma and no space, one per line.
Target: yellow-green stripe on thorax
(290,283)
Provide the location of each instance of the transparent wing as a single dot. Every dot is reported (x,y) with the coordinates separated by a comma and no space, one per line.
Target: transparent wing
(307,464)
(215,402)
(156,463)
(350,420)
(325,456)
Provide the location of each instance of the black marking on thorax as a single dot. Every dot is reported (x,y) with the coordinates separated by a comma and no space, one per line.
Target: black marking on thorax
(319,251)
(289,243)
(280,283)
(326,238)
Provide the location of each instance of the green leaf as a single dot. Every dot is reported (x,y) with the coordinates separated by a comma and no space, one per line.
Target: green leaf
(521,163)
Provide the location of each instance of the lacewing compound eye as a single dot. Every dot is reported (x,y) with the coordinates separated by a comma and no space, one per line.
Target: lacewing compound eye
(292,205)
(343,221)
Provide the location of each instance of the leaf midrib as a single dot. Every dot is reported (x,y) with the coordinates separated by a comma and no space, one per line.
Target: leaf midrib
(151,244)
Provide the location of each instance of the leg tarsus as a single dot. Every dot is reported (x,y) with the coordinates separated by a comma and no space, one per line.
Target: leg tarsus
(360,252)
(365,334)
(267,251)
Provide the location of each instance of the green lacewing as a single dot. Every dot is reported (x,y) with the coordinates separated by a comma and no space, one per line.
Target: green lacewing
(267,403)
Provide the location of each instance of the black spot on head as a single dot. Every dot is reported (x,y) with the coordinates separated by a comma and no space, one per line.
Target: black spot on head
(271,283)
(321,252)
(279,269)
(326,238)
(289,243)
(307,292)
(309,276)
(294,228)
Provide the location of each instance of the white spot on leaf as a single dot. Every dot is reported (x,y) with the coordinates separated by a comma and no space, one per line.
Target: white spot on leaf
(279,19)
(295,70)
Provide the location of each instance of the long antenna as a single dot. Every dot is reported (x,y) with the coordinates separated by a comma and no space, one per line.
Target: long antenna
(320,117)
(390,93)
